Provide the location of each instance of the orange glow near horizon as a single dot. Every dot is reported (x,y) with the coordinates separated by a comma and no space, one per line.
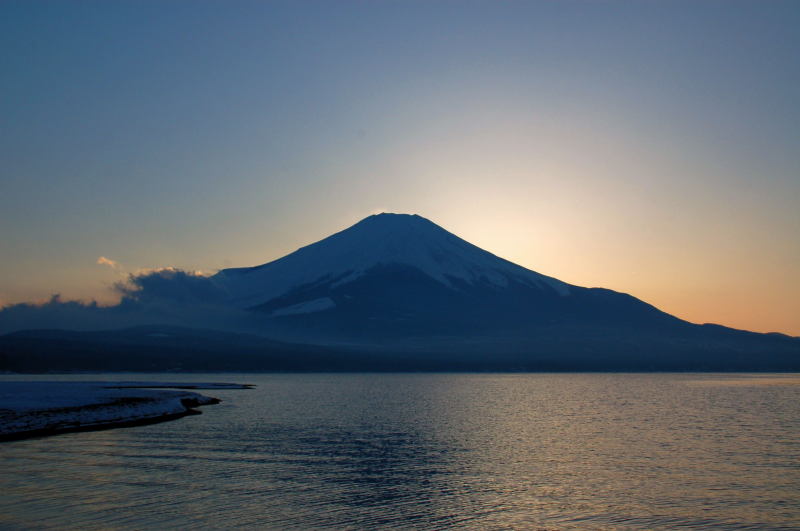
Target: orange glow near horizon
(729,286)
(657,157)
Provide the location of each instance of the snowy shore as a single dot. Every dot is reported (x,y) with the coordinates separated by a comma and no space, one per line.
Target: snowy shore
(32,409)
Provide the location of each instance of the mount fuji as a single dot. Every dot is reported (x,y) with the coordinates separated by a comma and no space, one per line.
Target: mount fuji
(378,241)
(394,292)
(403,277)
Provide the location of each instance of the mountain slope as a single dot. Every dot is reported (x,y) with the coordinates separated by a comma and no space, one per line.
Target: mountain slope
(379,240)
(397,276)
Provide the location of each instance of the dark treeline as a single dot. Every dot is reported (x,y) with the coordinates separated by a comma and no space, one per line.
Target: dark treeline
(159,349)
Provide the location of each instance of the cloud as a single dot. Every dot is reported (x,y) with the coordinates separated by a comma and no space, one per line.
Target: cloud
(113,264)
(55,313)
(170,285)
(165,296)
(147,271)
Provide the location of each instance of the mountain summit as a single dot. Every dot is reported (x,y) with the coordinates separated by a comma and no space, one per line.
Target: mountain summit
(379,241)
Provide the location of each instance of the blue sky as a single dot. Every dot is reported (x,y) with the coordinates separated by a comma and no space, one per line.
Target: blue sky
(648,147)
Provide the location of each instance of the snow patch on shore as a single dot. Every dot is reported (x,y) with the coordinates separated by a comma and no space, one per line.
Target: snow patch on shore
(55,407)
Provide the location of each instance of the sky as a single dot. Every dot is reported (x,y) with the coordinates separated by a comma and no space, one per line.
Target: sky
(647,147)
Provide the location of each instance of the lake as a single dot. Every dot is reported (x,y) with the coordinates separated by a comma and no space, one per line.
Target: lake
(430,451)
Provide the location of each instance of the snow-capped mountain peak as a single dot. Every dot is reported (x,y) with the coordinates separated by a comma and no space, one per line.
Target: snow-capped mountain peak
(379,240)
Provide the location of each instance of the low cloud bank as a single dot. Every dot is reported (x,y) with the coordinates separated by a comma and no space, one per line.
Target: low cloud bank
(164,296)
(170,285)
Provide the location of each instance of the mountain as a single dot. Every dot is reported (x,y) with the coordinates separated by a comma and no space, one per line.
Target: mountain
(400,283)
(392,292)
(382,240)
(403,277)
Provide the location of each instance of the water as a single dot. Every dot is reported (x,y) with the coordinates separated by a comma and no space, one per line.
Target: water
(431,451)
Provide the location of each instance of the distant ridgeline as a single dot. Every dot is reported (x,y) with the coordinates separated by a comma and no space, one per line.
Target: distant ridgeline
(393,292)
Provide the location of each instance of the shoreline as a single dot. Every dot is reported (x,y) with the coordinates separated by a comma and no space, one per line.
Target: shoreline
(40,409)
(47,432)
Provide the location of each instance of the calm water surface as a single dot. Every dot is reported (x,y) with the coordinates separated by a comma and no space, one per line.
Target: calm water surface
(431,451)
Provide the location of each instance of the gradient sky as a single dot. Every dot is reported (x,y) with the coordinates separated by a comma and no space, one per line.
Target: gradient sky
(647,147)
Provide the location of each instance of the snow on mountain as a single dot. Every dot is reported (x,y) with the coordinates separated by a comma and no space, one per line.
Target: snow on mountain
(379,240)
(316,305)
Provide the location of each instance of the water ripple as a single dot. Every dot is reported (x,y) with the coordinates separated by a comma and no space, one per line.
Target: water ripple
(432,452)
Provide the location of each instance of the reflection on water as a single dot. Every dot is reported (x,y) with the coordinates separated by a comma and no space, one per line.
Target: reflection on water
(750,380)
(430,451)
